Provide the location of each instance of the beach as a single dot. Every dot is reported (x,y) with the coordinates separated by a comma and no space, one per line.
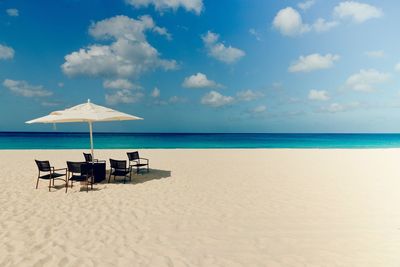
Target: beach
(207,207)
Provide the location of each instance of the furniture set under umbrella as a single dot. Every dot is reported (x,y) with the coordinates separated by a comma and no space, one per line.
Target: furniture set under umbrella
(86,171)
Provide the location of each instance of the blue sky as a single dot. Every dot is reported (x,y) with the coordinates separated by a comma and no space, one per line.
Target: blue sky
(204,66)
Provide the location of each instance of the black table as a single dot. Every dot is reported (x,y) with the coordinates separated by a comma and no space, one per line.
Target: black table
(99,171)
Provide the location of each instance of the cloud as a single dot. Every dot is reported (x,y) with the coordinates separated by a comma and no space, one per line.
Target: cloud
(321,25)
(12,12)
(313,62)
(356,11)
(199,80)
(397,67)
(215,99)
(306,4)
(22,88)
(337,107)
(319,95)
(365,80)
(259,109)
(163,32)
(124,97)
(6,52)
(155,93)
(51,103)
(60,84)
(118,84)
(219,51)
(176,99)
(195,6)
(375,54)
(248,95)
(129,54)
(255,33)
(289,22)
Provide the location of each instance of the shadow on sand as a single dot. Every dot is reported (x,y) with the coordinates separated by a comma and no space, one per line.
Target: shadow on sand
(142,177)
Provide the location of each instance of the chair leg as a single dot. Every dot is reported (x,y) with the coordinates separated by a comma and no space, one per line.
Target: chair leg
(49,184)
(37,183)
(66,184)
(148,168)
(109,177)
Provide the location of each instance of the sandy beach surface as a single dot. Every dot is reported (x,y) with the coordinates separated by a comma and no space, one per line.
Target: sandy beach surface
(207,208)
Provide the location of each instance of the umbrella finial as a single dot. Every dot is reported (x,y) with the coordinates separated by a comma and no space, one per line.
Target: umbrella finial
(88,100)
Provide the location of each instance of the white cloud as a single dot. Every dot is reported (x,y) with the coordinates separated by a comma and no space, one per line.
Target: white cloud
(50,103)
(375,54)
(219,51)
(289,22)
(6,52)
(195,6)
(60,84)
(255,33)
(155,93)
(24,89)
(397,67)
(176,99)
(215,99)
(365,80)
(337,107)
(321,25)
(118,84)
(12,12)
(319,95)
(259,109)
(123,96)
(248,95)
(199,80)
(306,4)
(163,31)
(313,62)
(128,55)
(356,11)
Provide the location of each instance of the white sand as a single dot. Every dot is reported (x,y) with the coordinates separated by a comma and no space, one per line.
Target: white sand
(212,208)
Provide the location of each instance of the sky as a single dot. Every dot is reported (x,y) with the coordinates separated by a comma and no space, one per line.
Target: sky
(203,65)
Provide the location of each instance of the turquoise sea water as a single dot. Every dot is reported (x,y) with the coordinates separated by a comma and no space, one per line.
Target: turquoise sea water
(61,140)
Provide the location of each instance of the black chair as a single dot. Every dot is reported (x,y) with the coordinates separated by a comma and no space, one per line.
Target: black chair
(118,168)
(44,166)
(136,161)
(80,172)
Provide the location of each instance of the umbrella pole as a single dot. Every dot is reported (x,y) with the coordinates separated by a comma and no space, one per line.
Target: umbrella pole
(91,139)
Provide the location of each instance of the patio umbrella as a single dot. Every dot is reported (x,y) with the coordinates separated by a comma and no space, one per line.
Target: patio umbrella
(87,112)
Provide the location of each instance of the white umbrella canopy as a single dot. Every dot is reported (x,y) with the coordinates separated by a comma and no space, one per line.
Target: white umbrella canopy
(87,112)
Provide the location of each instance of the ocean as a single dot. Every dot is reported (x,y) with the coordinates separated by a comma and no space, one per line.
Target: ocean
(64,140)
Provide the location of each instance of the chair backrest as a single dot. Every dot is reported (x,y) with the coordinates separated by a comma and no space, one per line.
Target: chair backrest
(133,155)
(74,167)
(118,164)
(88,157)
(86,169)
(43,165)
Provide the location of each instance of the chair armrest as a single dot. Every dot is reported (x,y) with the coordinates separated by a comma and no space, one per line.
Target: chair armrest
(60,169)
(135,161)
(145,159)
